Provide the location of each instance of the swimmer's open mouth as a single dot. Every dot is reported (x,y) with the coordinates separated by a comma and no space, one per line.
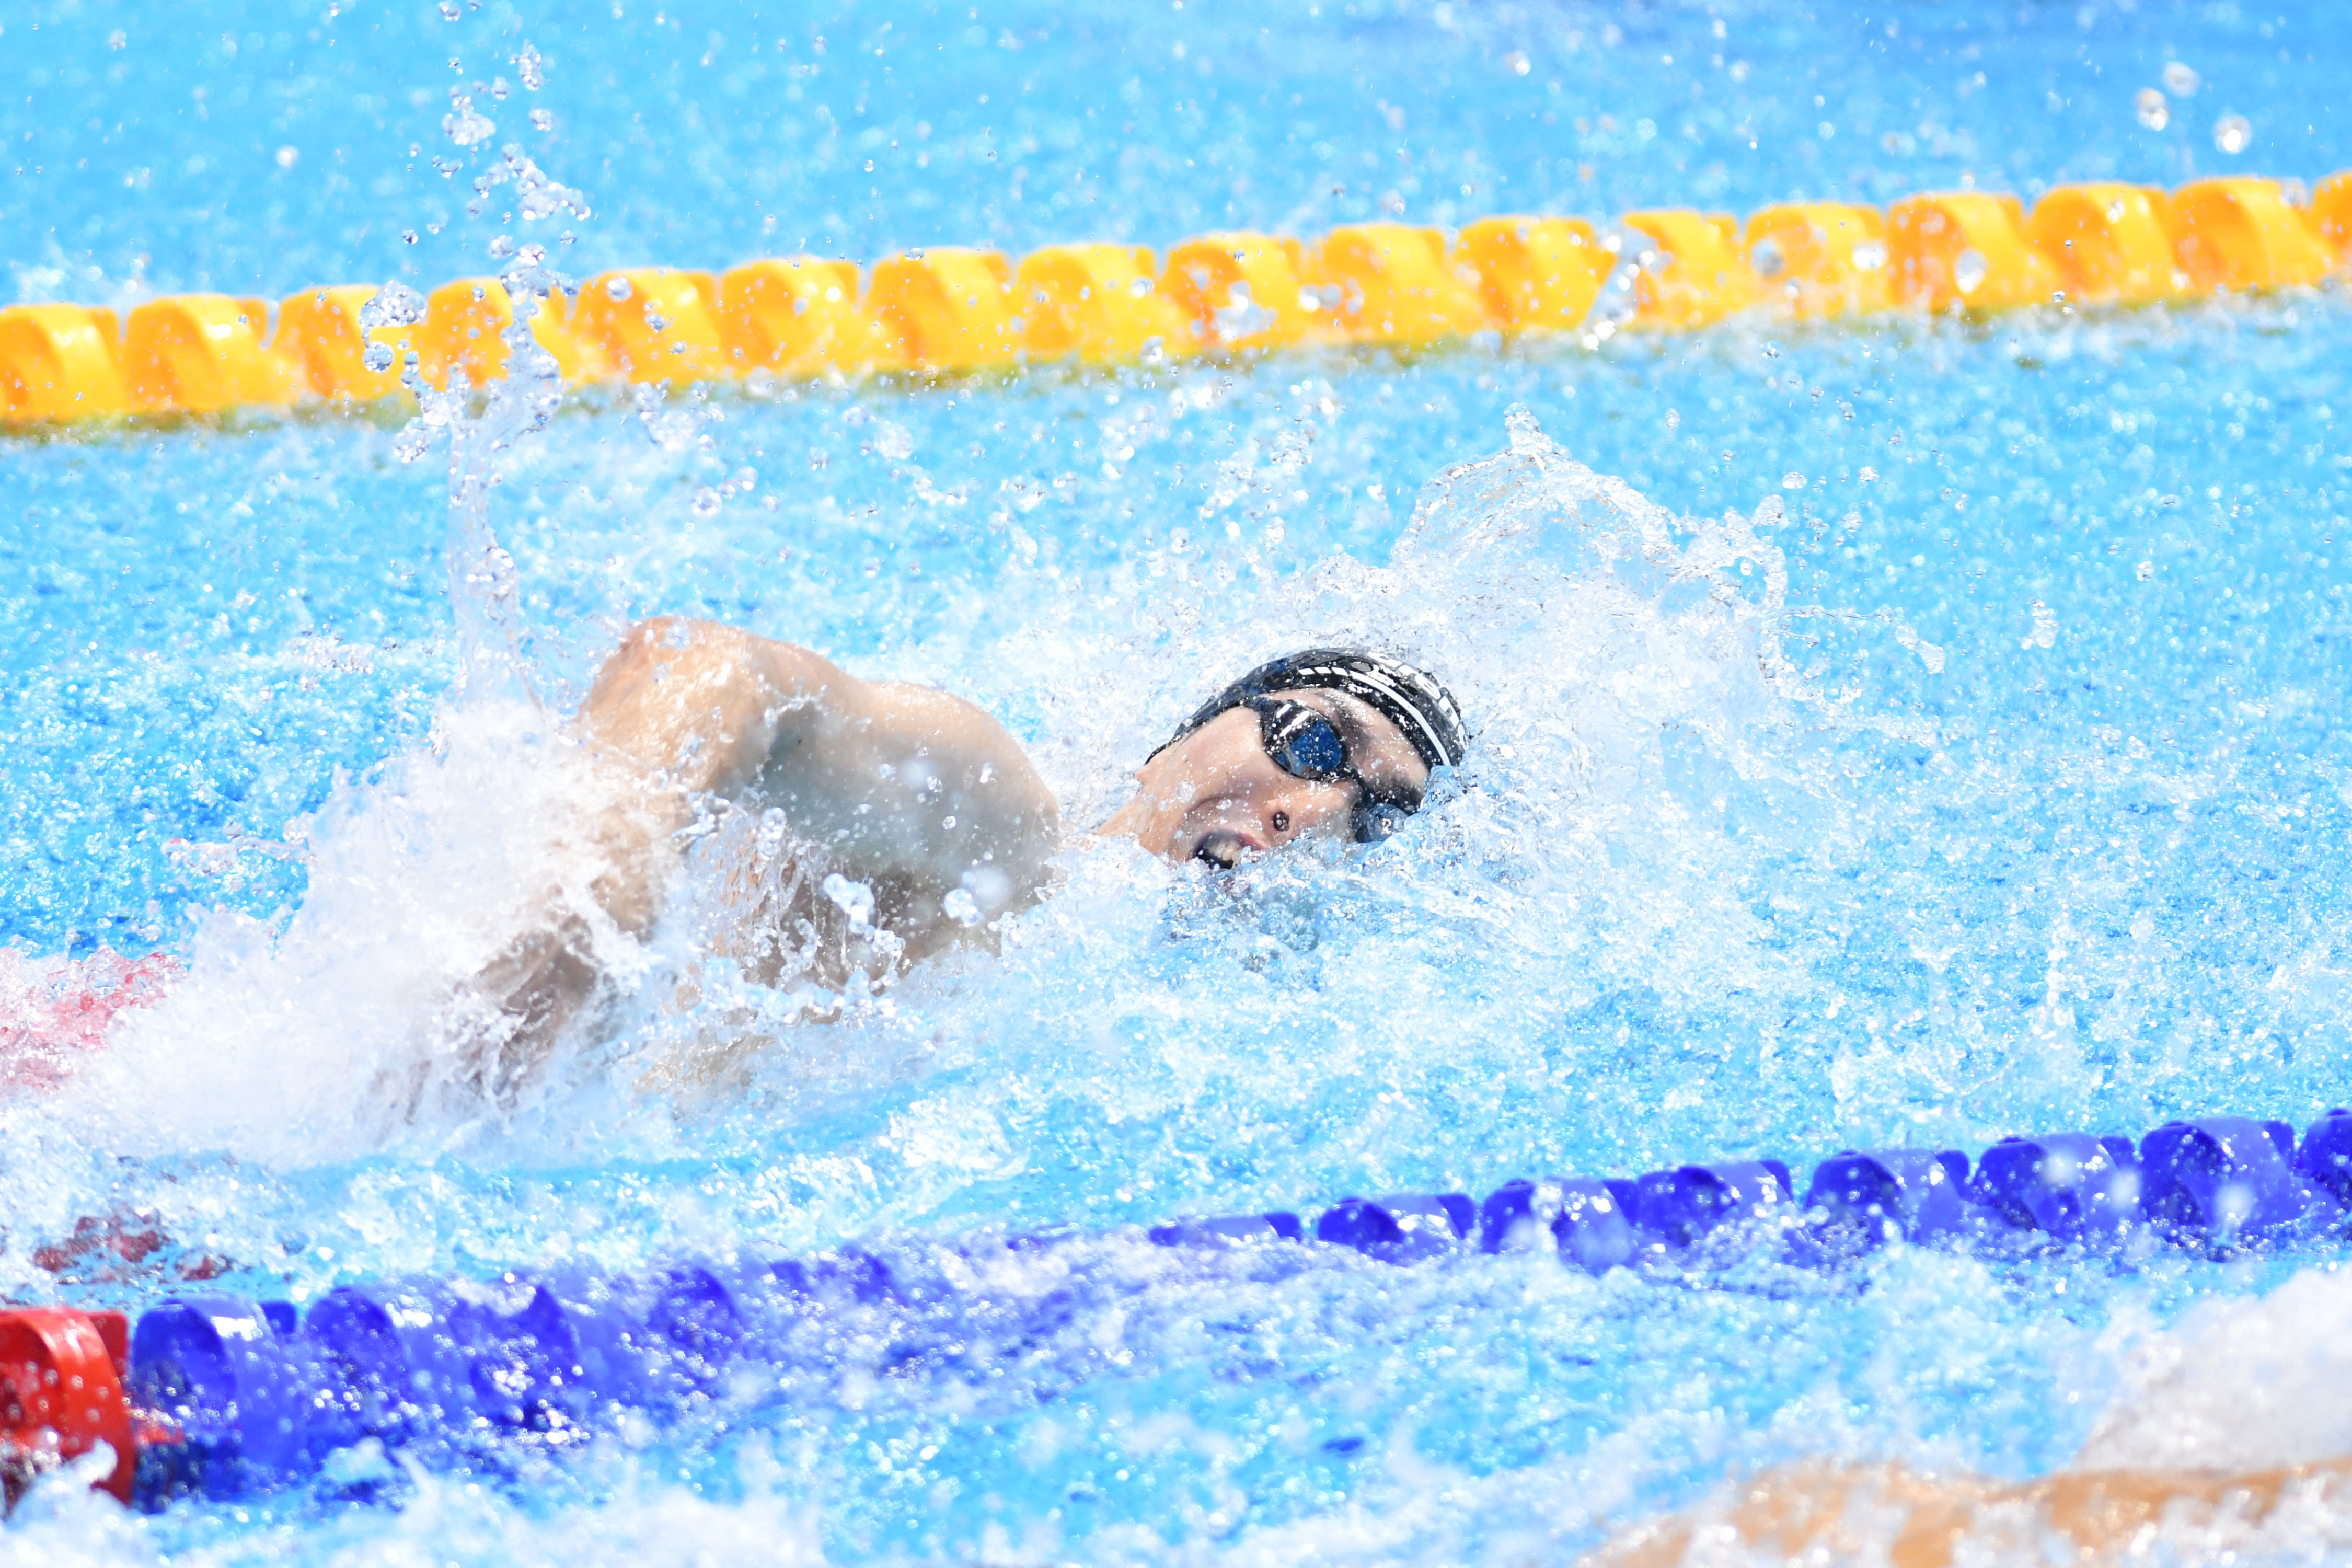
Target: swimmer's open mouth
(1223,848)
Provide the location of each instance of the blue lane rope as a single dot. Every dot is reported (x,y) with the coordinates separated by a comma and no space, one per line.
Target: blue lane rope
(244,1397)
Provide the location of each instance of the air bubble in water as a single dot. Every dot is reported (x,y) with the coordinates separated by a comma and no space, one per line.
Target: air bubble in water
(393,305)
(617,288)
(2147,570)
(450,12)
(2232,133)
(502,247)
(1793,480)
(1970,270)
(706,501)
(2153,111)
(527,66)
(542,120)
(377,357)
(2180,80)
(1870,255)
(1766,259)
(2045,627)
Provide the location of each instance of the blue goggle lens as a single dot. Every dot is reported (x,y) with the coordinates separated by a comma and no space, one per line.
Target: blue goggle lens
(1314,751)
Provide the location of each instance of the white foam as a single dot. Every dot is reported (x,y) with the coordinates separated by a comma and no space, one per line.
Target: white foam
(645,1522)
(2238,1386)
(348,1027)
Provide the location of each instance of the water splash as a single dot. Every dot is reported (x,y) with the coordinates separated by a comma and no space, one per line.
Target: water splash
(484,586)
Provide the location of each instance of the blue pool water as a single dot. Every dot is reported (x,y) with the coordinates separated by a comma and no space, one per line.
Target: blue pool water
(1887,733)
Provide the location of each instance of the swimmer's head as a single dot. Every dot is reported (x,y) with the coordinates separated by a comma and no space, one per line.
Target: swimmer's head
(1327,740)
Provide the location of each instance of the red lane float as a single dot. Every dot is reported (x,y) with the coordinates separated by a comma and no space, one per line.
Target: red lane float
(62,1374)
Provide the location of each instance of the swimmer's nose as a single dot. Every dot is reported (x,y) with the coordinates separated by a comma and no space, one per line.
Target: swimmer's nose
(1222,849)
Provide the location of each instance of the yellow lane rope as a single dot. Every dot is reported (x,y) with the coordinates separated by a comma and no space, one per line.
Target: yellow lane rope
(949,309)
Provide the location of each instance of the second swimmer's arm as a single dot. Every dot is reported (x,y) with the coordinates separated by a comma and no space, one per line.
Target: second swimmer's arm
(1918,1520)
(905,786)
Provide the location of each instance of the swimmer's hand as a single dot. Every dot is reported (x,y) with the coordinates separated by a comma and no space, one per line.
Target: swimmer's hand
(920,794)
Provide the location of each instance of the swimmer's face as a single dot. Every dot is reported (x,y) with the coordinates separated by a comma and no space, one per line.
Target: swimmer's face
(1215,795)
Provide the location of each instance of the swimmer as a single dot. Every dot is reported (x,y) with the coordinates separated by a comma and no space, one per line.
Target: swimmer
(926,809)
(2223,1435)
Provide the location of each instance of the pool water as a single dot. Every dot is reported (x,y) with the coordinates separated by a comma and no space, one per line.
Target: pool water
(1891,732)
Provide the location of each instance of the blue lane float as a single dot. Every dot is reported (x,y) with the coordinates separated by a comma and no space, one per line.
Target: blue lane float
(228,1397)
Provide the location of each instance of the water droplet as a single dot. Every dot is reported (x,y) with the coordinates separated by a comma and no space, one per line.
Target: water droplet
(408,237)
(393,305)
(463,125)
(450,12)
(616,288)
(286,157)
(2180,80)
(856,899)
(1968,271)
(1518,62)
(1793,480)
(502,247)
(377,357)
(1674,419)
(2153,111)
(1772,350)
(2232,133)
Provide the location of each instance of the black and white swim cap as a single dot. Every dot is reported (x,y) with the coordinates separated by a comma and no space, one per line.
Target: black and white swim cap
(1422,710)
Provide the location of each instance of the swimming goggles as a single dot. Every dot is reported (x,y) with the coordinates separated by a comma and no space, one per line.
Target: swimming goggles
(1305,744)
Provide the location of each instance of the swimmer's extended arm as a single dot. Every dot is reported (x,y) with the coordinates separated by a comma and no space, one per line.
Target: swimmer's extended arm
(914,791)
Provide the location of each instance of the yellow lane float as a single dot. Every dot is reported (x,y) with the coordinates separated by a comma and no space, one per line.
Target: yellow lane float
(950,309)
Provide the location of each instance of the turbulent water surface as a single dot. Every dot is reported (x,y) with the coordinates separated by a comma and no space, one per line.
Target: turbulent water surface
(1885,734)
